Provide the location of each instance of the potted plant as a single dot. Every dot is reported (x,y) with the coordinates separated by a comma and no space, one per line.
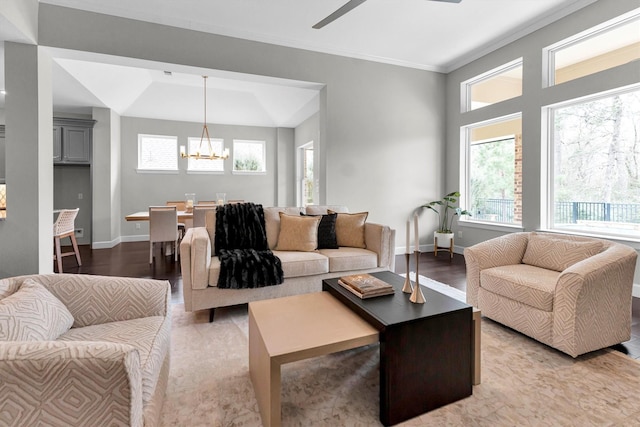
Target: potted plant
(446,209)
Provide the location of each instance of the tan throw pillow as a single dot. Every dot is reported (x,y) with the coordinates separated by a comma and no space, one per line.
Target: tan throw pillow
(557,254)
(350,229)
(298,233)
(32,313)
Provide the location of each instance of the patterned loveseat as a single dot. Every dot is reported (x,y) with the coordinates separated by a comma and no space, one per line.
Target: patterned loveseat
(572,293)
(80,350)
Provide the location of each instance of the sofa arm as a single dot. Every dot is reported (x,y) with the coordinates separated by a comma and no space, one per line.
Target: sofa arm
(381,240)
(93,300)
(196,251)
(504,250)
(592,304)
(70,383)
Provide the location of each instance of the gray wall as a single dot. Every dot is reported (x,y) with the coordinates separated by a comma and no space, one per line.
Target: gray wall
(68,183)
(106,179)
(141,190)
(381,126)
(534,97)
(26,235)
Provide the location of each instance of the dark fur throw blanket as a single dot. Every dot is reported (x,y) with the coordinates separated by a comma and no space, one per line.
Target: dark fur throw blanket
(241,245)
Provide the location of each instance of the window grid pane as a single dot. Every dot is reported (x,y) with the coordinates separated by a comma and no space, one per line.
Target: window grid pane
(494,181)
(204,164)
(249,156)
(596,166)
(156,152)
(595,50)
(499,84)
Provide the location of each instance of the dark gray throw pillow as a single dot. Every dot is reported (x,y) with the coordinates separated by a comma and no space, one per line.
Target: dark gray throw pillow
(327,231)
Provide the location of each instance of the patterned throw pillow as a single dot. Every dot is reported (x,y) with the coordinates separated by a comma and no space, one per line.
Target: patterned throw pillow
(556,253)
(298,233)
(350,229)
(32,313)
(327,238)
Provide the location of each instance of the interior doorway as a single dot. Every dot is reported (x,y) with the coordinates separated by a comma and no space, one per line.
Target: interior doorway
(307,188)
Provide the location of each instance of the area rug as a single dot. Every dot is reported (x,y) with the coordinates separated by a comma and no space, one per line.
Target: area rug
(523,382)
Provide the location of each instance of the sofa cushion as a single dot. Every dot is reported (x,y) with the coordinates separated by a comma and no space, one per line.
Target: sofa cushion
(210,225)
(558,254)
(527,284)
(32,313)
(298,233)
(322,210)
(149,335)
(327,238)
(272,222)
(298,264)
(346,259)
(350,229)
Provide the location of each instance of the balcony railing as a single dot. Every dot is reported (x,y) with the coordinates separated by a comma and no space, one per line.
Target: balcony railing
(502,210)
(572,212)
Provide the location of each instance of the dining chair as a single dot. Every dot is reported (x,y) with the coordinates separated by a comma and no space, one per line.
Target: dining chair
(235,201)
(180,205)
(207,202)
(199,214)
(163,227)
(64,226)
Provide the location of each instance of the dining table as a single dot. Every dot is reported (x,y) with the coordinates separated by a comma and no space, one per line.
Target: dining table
(144,216)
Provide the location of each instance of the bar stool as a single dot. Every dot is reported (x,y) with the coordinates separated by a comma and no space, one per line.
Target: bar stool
(65,227)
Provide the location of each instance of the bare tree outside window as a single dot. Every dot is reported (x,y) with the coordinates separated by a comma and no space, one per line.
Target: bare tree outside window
(596,165)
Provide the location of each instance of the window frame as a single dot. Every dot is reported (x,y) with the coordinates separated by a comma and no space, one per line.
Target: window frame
(465,172)
(467,85)
(549,52)
(172,170)
(547,172)
(263,144)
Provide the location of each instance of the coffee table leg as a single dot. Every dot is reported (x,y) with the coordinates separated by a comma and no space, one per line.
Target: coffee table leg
(265,376)
(476,346)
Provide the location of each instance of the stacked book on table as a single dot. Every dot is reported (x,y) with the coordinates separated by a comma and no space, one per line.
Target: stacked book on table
(365,285)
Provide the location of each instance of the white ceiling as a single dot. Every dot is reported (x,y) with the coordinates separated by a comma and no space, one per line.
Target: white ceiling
(421,34)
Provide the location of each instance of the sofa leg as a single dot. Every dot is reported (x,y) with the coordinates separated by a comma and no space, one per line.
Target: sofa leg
(211,313)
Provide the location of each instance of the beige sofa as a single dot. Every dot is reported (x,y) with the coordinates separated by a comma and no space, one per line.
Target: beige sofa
(569,292)
(303,270)
(80,350)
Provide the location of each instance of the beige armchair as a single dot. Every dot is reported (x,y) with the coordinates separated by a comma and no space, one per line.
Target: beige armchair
(569,292)
(80,350)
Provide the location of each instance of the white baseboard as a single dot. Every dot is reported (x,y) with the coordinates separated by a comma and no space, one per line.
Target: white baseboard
(114,242)
(399,250)
(106,245)
(136,238)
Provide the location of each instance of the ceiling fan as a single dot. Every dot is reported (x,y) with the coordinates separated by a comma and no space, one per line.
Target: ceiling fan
(351,4)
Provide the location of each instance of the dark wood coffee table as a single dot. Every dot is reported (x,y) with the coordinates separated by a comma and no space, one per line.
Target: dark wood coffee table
(425,349)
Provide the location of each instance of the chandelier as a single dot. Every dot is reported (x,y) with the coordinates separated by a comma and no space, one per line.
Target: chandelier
(212,155)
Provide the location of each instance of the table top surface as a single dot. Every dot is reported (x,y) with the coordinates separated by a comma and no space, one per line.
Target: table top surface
(144,216)
(302,326)
(388,310)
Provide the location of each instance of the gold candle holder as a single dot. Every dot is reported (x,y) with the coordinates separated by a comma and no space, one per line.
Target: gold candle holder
(407,288)
(416,296)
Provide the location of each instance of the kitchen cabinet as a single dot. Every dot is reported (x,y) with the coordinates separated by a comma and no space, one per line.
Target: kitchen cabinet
(72,139)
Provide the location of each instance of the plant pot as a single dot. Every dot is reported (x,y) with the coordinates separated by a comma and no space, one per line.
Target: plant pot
(442,240)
